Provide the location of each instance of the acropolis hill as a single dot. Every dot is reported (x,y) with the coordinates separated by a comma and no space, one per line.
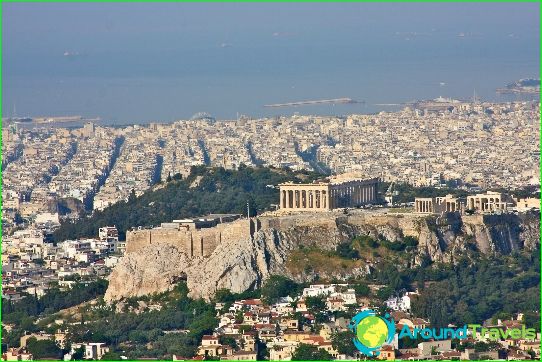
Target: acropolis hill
(200,236)
(239,255)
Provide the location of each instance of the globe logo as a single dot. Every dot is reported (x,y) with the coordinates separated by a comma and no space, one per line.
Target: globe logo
(371,332)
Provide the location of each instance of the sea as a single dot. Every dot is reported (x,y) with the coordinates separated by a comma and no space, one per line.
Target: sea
(230,63)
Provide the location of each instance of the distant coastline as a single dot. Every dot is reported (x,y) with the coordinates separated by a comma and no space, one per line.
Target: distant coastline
(522,86)
(50,121)
(431,105)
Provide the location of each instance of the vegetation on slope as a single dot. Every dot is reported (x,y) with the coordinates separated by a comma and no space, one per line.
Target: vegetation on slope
(472,290)
(495,287)
(206,190)
(360,251)
(24,313)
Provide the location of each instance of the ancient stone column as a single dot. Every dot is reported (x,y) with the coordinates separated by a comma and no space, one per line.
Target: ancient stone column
(358,195)
(321,205)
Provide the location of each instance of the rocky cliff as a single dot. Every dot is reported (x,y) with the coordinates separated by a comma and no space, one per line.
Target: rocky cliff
(150,270)
(244,264)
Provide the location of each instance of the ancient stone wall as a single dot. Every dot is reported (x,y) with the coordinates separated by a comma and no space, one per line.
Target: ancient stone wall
(199,242)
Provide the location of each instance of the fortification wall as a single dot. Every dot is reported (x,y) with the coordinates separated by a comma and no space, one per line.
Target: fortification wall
(199,242)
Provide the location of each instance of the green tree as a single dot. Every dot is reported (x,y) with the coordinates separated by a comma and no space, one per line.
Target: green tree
(204,324)
(78,354)
(362,290)
(224,296)
(307,352)
(277,286)
(43,349)
(384,293)
(244,328)
(316,304)
(410,241)
(407,342)
(345,250)
(13,337)
(532,320)
(342,342)
(263,353)
(230,341)
(111,356)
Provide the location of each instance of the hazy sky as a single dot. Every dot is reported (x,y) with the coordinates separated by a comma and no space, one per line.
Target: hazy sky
(138,62)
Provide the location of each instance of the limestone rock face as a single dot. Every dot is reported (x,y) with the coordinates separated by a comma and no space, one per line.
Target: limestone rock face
(237,266)
(154,269)
(530,235)
(240,265)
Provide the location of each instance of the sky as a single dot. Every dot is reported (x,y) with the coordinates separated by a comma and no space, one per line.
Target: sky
(140,62)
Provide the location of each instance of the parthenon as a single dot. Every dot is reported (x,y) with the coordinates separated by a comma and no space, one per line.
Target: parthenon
(327,195)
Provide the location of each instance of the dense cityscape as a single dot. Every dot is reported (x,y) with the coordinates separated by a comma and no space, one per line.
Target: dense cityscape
(71,172)
(447,143)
